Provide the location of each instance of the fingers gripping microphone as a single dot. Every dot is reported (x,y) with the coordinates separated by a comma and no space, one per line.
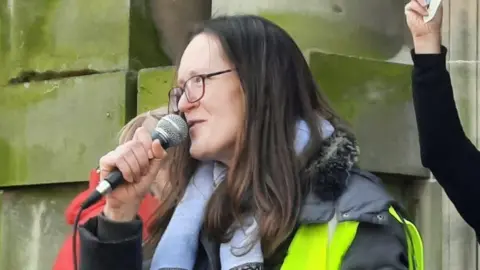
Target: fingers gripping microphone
(171,130)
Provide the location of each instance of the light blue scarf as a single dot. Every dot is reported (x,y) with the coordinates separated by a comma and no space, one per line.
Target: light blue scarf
(178,246)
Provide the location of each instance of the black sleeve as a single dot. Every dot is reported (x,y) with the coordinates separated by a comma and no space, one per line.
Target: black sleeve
(378,247)
(105,244)
(445,149)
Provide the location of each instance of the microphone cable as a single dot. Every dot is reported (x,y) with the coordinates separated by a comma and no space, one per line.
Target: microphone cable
(74,240)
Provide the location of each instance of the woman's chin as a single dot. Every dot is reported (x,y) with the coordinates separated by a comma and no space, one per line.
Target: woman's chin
(198,153)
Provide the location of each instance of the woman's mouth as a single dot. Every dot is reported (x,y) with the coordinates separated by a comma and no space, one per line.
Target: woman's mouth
(193,123)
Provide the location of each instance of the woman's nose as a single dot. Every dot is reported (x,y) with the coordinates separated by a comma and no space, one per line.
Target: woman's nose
(184,105)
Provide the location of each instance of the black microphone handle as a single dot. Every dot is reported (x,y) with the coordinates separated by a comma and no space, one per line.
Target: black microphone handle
(115,177)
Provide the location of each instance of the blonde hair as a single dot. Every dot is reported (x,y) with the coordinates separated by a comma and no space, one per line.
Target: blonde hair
(127,131)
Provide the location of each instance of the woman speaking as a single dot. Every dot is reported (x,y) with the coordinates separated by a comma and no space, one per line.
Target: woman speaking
(266,180)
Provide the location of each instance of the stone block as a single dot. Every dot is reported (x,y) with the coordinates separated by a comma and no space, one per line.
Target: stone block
(375,97)
(174,21)
(33,226)
(56,131)
(368,28)
(462,24)
(430,201)
(81,35)
(153,87)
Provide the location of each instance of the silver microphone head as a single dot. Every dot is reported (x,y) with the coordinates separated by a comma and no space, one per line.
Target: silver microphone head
(173,128)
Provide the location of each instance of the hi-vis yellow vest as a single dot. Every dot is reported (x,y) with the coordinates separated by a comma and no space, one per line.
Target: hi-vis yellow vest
(322,246)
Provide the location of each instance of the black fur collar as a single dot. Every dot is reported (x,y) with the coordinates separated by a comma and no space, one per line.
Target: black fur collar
(328,169)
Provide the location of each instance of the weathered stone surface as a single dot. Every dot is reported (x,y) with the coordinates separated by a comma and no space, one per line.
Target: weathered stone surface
(33,226)
(145,48)
(368,28)
(55,131)
(174,20)
(375,97)
(153,87)
(76,35)
(429,202)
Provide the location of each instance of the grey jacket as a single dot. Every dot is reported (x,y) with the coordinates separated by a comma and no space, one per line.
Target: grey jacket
(340,189)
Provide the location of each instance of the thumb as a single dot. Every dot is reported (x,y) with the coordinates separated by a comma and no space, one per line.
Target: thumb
(157,150)
(151,175)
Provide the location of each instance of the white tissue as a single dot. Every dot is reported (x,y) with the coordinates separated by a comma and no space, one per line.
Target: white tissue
(432,9)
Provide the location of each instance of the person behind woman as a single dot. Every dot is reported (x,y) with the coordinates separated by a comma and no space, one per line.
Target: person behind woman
(445,149)
(266,179)
(64,260)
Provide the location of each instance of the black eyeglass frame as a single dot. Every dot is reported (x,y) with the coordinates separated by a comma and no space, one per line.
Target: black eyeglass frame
(176,93)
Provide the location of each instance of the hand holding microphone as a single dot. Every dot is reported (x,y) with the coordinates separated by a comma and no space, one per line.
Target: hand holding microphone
(130,169)
(139,161)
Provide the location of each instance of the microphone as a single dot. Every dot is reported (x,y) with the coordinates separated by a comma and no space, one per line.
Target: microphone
(171,130)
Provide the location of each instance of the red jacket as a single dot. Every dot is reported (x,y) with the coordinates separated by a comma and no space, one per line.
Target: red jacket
(64,259)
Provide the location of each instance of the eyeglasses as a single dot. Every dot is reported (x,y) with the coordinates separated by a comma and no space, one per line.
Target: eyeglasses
(194,89)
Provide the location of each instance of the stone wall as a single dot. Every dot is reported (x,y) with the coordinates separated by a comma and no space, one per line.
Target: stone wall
(69,73)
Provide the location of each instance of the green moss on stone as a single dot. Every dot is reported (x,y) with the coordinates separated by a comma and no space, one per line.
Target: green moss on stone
(64,35)
(353,83)
(333,34)
(153,87)
(56,131)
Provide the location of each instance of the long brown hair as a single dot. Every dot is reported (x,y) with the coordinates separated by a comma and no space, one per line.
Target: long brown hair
(265,179)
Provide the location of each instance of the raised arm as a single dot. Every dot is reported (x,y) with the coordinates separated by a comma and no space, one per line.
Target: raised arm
(445,149)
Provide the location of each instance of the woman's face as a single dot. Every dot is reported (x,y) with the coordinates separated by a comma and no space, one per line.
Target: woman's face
(217,117)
